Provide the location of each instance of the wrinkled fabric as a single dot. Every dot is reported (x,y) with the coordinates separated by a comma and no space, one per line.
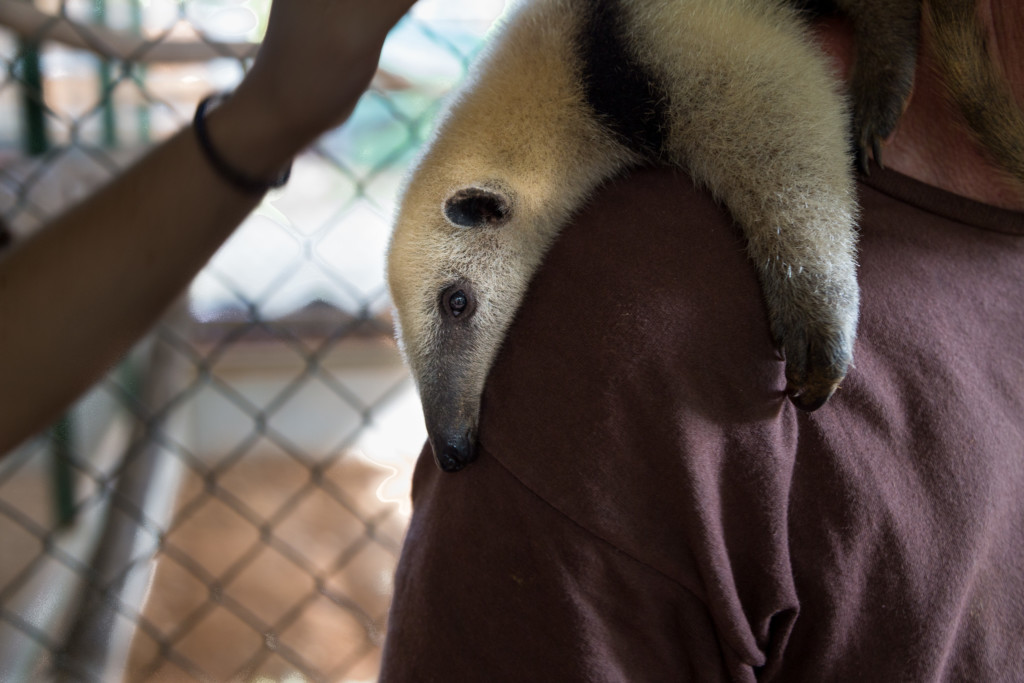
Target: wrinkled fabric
(648,506)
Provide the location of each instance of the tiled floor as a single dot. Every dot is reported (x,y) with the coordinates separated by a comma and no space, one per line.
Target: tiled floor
(308,600)
(270,570)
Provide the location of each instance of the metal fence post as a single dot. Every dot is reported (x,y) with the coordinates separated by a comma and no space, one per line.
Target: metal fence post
(95,648)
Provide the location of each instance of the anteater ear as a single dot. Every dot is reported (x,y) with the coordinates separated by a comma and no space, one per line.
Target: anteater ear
(476,207)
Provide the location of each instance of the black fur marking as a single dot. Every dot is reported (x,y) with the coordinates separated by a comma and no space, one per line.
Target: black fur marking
(474,207)
(622,92)
(815,8)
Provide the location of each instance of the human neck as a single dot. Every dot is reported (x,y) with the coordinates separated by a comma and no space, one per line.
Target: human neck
(931,143)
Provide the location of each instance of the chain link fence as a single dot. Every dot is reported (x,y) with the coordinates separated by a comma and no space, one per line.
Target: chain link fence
(229,503)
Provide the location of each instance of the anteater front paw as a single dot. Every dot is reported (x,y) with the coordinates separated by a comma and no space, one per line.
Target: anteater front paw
(814,321)
(886,36)
(816,362)
(877,108)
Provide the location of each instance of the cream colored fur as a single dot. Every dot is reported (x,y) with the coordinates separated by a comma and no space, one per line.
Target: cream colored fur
(755,116)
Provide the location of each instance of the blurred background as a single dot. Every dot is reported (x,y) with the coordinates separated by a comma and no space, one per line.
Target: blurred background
(229,503)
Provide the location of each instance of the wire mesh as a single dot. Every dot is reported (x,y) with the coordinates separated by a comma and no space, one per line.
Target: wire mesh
(228,503)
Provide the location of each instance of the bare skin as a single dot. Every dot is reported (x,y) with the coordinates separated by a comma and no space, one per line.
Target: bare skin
(75,296)
(930,143)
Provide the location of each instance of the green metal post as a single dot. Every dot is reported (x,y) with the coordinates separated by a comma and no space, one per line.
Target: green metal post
(33,111)
(37,143)
(63,435)
(108,115)
(143,109)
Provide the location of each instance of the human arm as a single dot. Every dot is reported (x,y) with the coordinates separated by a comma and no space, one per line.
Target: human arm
(77,294)
(497,585)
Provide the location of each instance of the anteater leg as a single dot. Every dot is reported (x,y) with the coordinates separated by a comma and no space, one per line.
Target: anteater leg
(887,35)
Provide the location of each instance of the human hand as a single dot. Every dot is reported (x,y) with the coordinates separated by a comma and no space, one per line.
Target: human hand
(317,58)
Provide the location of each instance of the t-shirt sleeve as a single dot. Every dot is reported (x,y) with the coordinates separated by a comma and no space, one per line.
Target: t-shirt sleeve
(497,585)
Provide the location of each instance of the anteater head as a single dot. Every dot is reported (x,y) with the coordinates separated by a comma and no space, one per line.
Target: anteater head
(459,262)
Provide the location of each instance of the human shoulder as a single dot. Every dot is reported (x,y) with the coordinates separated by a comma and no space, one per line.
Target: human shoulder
(639,366)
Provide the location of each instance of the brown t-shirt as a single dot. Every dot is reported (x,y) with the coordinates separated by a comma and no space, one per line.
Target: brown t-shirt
(648,506)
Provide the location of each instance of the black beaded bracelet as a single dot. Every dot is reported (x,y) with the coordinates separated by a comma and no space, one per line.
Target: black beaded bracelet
(236,178)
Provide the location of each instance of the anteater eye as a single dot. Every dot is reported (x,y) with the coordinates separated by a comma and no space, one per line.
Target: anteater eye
(457,303)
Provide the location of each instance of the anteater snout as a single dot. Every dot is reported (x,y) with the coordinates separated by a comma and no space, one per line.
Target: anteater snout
(453,452)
